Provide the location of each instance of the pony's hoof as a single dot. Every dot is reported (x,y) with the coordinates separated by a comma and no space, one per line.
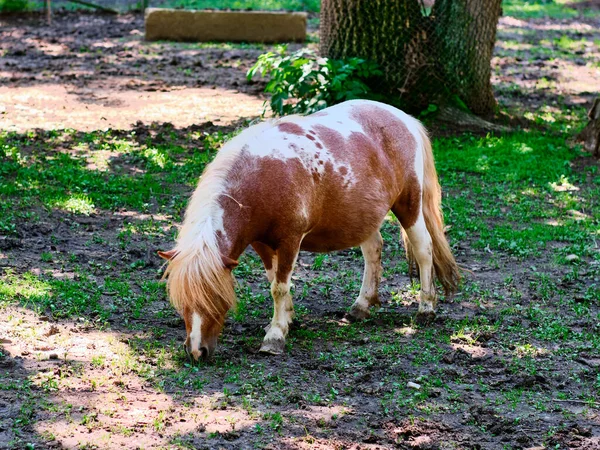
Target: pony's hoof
(357,314)
(273,347)
(424,317)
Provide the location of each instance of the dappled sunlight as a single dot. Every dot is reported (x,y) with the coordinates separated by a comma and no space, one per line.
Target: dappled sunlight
(523,148)
(576,26)
(95,382)
(142,217)
(405,331)
(26,286)
(77,204)
(563,185)
(475,351)
(55,105)
(529,350)
(554,223)
(483,164)
(99,389)
(577,215)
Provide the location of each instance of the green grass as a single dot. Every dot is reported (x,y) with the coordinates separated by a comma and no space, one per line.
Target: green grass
(289,5)
(313,6)
(517,193)
(11,6)
(539,9)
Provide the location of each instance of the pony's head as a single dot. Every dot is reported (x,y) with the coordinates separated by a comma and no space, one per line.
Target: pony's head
(200,285)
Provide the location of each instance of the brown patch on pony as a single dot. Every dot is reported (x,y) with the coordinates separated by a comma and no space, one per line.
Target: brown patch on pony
(407,206)
(210,330)
(272,215)
(291,128)
(332,139)
(398,144)
(266,254)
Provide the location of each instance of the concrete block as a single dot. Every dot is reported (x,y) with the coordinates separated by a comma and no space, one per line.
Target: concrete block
(225,26)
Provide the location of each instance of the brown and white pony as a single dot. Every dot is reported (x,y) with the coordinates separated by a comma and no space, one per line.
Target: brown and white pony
(320,183)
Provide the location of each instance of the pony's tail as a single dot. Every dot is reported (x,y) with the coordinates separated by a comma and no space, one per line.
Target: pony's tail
(444,264)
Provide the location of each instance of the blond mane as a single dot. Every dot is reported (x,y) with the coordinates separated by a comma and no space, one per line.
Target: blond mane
(196,276)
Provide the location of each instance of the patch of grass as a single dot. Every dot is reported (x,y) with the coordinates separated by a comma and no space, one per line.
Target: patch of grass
(62,298)
(522,193)
(11,6)
(288,5)
(538,9)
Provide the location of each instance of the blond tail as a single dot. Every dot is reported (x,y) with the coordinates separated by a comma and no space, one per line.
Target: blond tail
(444,264)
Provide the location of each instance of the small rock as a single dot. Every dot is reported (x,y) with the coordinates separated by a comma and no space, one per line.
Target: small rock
(412,385)
(53,356)
(571,258)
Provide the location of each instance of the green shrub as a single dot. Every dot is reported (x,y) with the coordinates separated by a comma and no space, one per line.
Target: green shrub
(302,83)
(14,5)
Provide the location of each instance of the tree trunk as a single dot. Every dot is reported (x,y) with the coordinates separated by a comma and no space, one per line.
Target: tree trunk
(590,135)
(464,36)
(428,55)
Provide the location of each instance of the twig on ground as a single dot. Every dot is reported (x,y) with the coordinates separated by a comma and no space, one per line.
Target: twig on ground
(589,403)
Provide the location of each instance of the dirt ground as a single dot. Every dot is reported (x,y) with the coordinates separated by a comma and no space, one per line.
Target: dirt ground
(120,380)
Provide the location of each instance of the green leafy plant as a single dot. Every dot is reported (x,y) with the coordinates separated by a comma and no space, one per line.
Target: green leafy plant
(302,83)
(14,5)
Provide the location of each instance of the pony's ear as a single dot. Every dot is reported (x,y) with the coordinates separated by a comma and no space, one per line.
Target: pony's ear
(169,255)
(229,263)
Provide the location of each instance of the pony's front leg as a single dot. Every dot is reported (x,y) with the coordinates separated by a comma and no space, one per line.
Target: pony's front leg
(283,308)
(268,257)
(369,291)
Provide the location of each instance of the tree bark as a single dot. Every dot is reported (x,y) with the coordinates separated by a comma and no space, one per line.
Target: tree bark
(464,38)
(428,55)
(590,135)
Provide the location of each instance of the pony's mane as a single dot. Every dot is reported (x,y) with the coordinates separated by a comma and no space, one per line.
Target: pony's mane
(197,278)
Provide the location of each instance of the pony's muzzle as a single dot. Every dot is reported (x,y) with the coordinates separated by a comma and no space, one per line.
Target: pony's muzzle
(203,354)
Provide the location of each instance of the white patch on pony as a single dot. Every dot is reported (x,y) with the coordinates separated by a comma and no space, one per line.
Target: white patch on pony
(195,334)
(420,240)
(294,146)
(304,210)
(337,118)
(282,312)
(271,272)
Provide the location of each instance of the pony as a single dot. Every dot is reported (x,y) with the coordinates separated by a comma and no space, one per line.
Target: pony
(320,183)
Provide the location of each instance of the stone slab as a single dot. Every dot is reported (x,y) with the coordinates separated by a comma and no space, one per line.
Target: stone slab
(225,26)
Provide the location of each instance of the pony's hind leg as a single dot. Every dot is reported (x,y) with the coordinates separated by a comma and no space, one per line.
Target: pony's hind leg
(371,250)
(422,252)
(283,308)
